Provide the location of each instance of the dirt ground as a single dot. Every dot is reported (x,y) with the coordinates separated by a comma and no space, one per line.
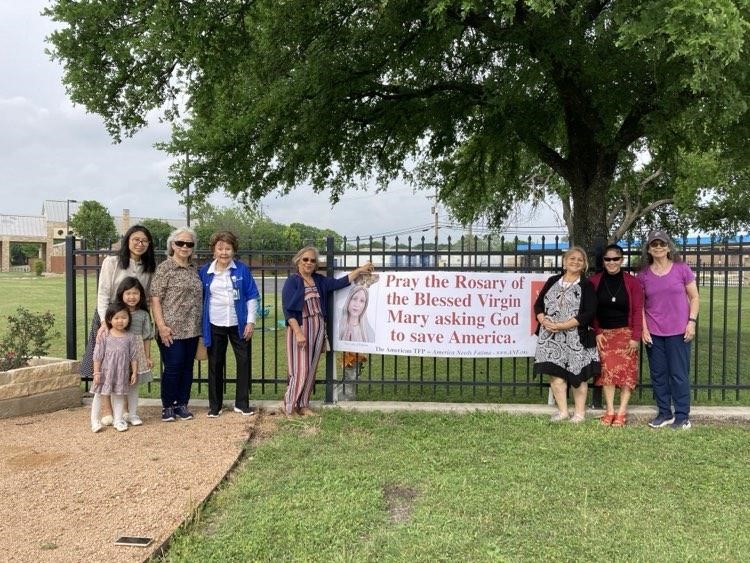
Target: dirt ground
(68,493)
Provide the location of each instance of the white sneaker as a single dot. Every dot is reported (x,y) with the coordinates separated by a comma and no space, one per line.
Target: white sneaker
(96,427)
(134,420)
(120,425)
(107,420)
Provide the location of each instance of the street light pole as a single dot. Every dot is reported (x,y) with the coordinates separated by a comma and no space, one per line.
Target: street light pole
(67,215)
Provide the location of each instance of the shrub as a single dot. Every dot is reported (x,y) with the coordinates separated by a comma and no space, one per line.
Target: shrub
(38,267)
(29,335)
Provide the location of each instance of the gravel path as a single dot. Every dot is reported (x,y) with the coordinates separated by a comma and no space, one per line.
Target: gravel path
(67,493)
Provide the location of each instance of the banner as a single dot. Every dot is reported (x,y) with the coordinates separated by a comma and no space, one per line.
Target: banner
(452,314)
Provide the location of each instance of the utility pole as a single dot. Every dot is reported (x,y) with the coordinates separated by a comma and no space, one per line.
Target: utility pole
(187,198)
(434,211)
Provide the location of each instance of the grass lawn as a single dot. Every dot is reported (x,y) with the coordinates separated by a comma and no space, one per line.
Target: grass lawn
(478,487)
(720,355)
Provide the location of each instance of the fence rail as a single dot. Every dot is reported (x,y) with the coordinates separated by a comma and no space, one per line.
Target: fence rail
(720,367)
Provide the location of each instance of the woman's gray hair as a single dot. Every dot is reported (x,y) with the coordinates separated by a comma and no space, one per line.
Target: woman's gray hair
(177,232)
(302,251)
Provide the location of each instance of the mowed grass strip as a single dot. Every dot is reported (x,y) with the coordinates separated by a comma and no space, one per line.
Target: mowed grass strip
(478,487)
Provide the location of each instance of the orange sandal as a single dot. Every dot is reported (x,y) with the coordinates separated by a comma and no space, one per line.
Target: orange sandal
(608,418)
(620,420)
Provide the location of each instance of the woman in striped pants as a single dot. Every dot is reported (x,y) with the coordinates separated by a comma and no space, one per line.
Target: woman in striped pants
(305,302)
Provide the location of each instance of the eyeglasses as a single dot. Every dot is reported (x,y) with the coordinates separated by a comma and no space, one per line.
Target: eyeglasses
(308,259)
(612,259)
(182,243)
(139,241)
(657,243)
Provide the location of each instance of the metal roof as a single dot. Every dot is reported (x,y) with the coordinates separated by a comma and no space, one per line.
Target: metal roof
(23,226)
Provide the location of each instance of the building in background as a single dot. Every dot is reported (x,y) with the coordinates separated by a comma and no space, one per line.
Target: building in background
(48,231)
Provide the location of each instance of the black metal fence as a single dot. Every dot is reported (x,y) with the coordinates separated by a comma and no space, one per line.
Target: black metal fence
(720,369)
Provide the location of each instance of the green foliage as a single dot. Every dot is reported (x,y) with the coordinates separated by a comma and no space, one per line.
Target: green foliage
(21,252)
(38,267)
(27,335)
(486,97)
(159,229)
(94,224)
(253,228)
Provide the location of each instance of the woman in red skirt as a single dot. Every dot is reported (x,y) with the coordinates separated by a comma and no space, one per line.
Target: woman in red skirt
(618,326)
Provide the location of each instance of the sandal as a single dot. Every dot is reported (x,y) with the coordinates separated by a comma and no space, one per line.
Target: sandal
(608,418)
(620,420)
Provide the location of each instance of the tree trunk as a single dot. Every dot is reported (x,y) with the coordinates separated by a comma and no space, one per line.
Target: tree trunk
(589,229)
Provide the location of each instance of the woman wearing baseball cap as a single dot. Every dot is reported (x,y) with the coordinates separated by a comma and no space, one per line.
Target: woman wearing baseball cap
(670,313)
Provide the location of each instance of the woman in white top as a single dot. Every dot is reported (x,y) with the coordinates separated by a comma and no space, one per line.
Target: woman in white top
(135,258)
(230,300)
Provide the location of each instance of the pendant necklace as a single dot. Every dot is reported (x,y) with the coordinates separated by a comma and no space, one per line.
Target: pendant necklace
(613,296)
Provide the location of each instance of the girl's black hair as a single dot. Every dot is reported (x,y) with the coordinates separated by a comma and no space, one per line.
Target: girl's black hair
(148,258)
(113,309)
(129,283)
(615,247)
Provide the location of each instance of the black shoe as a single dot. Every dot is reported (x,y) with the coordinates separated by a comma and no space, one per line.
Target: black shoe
(181,412)
(167,414)
(245,411)
(214,413)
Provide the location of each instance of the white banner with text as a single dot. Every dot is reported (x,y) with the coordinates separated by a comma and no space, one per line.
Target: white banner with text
(451,314)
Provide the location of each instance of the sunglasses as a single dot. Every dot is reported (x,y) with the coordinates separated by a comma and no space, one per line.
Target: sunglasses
(308,259)
(657,243)
(182,243)
(613,259)
(139,241)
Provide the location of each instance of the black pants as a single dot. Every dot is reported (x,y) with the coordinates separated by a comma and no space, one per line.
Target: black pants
(217,360)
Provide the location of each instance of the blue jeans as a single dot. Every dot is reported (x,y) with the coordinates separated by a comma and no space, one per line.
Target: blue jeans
(177,378)
(669,363)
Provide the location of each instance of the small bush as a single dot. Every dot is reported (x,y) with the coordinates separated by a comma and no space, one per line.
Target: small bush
(29,335)
(38,267)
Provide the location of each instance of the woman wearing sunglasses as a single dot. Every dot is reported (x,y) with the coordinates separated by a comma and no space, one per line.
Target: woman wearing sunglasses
(305,302)
(176,304)
(618,323)
(670,312)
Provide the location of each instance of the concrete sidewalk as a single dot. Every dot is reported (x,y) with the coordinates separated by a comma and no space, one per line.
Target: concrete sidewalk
(636,411)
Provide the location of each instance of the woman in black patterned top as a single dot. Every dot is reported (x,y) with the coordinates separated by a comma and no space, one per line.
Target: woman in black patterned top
(566,347)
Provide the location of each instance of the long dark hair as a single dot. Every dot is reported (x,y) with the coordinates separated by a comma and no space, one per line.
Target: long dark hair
(129,283)
(148,259)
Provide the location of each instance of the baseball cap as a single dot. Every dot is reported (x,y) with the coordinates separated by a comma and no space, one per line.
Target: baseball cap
(658,235)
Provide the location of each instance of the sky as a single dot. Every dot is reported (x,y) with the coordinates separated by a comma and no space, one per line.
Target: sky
(51,149)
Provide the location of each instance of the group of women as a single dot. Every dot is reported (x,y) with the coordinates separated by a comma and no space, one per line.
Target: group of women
(217,302)
(587,327)
(591,328)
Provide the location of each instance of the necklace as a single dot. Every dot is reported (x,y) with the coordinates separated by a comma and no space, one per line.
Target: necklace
(613,296)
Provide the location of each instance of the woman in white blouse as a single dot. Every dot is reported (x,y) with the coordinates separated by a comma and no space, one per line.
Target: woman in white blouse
(230,300)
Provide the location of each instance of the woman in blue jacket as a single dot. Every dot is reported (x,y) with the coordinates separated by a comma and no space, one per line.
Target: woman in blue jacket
(230,300)
(305,302)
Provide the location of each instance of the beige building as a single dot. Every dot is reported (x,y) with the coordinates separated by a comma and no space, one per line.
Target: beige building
(49,229)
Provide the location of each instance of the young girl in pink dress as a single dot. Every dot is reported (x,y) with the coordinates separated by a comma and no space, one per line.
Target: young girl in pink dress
(115,366)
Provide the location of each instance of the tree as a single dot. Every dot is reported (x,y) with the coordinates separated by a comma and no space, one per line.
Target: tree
(478,97)
(21,252)
(159,230)
(93,223)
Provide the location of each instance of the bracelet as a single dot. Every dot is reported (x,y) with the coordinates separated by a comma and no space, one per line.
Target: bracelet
(692,319)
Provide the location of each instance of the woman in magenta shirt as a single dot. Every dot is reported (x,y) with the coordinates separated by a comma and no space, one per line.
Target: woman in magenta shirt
(670,313)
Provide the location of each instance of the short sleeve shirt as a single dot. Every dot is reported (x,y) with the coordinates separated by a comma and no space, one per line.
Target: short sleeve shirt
(666,305)
(180,293)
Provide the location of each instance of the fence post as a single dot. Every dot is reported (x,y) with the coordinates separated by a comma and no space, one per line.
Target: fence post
(330,356)
(70,298)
